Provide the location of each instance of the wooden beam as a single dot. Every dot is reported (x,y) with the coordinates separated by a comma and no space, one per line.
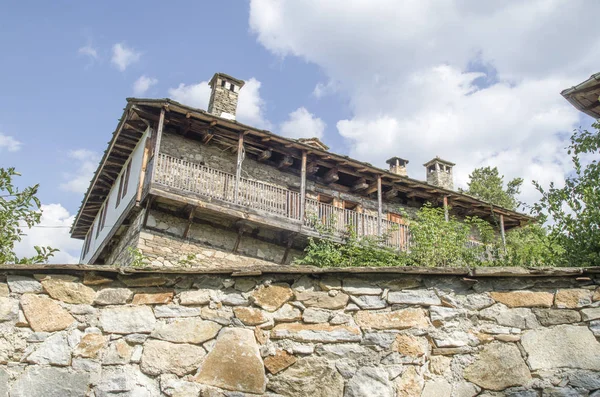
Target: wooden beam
(290,241)
(390,194)
(142,177)
(265,155)
(373,186)
(312,168)
(379,205)
(302,186)
(331,176)
(360,184)
(238,167)
(286,161)
(208,135)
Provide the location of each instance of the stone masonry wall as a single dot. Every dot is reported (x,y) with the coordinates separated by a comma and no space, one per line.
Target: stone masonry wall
(98,334)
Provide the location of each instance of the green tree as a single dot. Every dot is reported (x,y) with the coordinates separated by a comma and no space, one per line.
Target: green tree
(574,210)
(487,184)
(19,209)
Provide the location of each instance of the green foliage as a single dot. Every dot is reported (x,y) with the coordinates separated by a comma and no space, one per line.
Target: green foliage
(574,209)
(487,184)
(530,246)
(138,259)
(19,209)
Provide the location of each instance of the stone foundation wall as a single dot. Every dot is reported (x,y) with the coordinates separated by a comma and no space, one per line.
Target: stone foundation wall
(98,334)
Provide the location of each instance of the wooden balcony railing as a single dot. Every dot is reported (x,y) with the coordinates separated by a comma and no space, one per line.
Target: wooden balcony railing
(190,177)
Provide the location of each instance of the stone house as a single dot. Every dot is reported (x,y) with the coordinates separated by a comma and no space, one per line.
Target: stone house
(186,186)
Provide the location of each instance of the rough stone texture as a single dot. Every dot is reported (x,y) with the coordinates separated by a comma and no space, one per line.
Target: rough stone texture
(113,296)
(524,298)
(497,367)
(399,319)
(23,285)
(414,297)
(234,363)
(165,357)
(572,298)
(186,330)
(323,333)
(127,319)
(320,341)
(68,291)
(548,317)
(44,314)
(279,361)
(50,382)
(250,315)
(158,298)
(272,297)
(562,346)
(310,376)
(322,299)
(411,346)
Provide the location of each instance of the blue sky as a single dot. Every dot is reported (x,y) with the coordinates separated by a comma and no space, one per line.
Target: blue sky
(475,83)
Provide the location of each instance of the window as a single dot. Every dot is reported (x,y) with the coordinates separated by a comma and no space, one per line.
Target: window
(126,177)
(103,220)
(86,243)
(231,88)
(223,82)
(98,224)
(120,191)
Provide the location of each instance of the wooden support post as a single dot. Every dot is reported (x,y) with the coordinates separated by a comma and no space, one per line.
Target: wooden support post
(290,241)
(303,186)
(379,205)
(238,168)
(446,215)
(238,240)
(502,232)
(189,224)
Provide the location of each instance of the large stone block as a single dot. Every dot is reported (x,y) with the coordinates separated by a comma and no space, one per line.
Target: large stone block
(125,380)
(322,299)
(51,382)
(44,314)
(497,367)
(398,319)
(323,333)
(414,297)
(250,315)
(524,298)
(165,357)
(272,297)
(54,350)
(186,330)
(310,376)
(113,296)
(573,298)
(9,309)
(23,285)
(127,319)
(68,290)
(548,317)
(234,363)
(564,346)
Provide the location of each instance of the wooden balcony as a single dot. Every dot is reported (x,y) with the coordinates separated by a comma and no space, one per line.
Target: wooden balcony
(273,200)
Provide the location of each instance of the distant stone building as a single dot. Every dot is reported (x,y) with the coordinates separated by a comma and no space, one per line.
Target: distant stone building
(183,186)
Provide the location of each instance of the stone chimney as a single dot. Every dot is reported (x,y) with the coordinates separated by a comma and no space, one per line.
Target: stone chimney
(398,166)
(224,95)
(439,173)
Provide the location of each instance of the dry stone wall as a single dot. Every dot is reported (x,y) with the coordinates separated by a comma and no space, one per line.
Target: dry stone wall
(352,335)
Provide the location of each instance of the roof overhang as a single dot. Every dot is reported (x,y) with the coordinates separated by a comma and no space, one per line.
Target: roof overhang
(585,96)
(139,112)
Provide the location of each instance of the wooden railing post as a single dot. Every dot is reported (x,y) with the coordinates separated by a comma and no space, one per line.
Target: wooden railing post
(303,186)
(238,168)
(502,232)
(446,215)
(379,205)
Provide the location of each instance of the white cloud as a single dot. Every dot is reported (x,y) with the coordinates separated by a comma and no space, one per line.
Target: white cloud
(9,143)
(474,82)
(124,56)
(85,162)
(302,124)
(88,51)
(52,231)
(143,84)
(250,109)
